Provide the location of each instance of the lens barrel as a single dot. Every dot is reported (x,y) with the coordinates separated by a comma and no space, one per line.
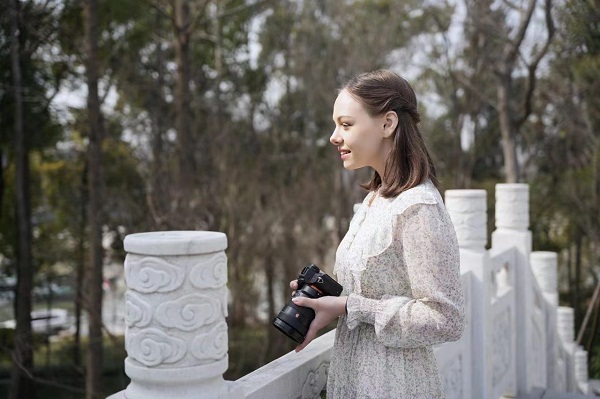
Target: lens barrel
(294,320)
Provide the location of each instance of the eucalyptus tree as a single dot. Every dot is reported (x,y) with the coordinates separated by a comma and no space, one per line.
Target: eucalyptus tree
(28,81)
(487,67)
(517,50)
(94,271)
(21,384)
(569,159)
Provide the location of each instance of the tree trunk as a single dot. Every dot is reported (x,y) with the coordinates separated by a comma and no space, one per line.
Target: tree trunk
(80,267)
(182,97)
(93,280)
(578,249)
(22,385)
(158,167)
(509,149)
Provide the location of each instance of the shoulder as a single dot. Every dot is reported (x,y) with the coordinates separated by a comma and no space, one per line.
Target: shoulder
(425,193)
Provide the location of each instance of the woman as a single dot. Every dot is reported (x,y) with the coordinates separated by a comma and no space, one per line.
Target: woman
(399,261)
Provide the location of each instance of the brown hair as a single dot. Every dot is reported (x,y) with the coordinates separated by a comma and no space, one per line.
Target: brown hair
(408,163)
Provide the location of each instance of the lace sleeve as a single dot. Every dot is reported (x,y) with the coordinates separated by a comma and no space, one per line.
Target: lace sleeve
(434,312)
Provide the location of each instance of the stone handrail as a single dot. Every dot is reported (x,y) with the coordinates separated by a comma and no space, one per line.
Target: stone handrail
(516,337)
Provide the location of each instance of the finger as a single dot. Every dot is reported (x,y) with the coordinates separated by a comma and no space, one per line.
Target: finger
(294,284)
(303,301)
(310,335)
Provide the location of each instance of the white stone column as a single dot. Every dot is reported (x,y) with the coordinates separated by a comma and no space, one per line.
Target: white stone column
(512,207)
(176,334)
(565,323)
(512,230)
(545,267)
(581,370)
(467,209)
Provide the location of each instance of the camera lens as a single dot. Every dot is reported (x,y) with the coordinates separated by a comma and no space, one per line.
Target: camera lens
(294,320)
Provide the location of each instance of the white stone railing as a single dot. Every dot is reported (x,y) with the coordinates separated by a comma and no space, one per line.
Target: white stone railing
(516,337)
(520,338)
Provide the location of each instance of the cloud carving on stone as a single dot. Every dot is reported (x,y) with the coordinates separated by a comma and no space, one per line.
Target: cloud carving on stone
(315,382)
(138,311)
(152,347)
(212,345)
(211,272)
(152,275)
(189,312)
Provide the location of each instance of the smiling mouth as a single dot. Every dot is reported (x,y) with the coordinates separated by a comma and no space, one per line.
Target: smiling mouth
(344,152)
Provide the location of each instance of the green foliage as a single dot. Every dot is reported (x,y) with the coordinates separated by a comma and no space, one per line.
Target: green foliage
(55,364)
(7,341)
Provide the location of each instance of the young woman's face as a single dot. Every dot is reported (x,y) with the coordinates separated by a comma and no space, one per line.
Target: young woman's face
(358,136)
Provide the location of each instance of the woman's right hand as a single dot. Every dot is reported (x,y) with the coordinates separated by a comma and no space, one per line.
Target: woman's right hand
(294,286)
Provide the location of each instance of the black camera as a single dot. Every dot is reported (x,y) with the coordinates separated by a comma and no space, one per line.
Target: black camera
(294,320)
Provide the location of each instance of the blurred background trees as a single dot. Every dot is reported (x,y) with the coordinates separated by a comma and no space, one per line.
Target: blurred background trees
(128,116)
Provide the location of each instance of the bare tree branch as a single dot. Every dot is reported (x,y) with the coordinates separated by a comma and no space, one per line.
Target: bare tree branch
(162,11)
(227,13)
(532,68)
(510,4)
(512,46)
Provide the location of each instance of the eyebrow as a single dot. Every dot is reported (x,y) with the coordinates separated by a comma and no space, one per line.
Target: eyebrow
(343,116)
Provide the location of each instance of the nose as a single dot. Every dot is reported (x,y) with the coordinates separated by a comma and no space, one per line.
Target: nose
(336,138)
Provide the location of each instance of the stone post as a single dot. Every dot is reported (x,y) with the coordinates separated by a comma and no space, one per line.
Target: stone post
(581,370)
(176,304)
(512,231)
(545,266)
(467,209)
(565,323)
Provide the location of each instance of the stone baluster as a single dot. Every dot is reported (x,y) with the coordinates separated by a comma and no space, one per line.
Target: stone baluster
(176,304)
(467,209)
(545,266)
(512,231)
(565,325)
(581,370)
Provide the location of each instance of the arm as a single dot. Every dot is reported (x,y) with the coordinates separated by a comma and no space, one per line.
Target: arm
(434,314)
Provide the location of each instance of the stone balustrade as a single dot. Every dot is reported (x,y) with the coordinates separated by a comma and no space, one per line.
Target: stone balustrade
(516,340)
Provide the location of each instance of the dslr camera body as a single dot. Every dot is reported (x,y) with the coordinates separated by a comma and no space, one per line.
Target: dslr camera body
(294,320)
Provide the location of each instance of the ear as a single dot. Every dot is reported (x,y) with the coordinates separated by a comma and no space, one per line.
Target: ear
(390,122)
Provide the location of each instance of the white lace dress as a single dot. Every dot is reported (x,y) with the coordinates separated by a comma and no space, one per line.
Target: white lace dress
(399,265)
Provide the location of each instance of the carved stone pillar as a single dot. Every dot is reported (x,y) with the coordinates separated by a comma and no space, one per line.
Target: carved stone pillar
(581,370)
(176,304)
(544,266)
(565,323)
(467,209)
(512,207)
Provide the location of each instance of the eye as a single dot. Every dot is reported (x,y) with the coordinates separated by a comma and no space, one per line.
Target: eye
(345,124)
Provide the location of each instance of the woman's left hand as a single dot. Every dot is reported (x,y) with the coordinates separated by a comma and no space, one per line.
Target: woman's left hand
(326,309)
